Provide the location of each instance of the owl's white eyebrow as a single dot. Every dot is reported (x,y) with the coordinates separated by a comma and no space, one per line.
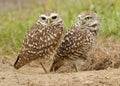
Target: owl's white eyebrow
(53,14)
(88,16)
(79,15)
(43,16)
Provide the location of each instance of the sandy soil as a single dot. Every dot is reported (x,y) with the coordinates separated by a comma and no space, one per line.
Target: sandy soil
(31,75)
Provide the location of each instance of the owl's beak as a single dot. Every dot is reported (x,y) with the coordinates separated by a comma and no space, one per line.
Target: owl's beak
(49,21)
(94,24)
(82,22)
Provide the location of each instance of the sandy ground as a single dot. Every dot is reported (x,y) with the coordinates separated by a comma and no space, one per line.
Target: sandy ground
(31,75)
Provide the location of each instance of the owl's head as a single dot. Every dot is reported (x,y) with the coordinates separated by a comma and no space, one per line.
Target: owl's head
(49,18)
(89,19)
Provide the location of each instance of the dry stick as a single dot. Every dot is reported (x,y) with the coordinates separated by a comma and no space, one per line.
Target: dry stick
(43,67)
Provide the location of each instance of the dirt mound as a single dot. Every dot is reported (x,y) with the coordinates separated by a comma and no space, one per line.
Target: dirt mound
(105,54)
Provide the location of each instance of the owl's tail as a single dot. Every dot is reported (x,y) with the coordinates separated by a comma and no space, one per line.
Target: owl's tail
(19,63)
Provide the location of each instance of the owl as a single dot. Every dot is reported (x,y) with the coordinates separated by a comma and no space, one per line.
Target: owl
(41,40)
(78,40)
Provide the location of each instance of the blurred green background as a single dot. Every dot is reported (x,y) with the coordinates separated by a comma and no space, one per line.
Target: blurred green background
(17,16)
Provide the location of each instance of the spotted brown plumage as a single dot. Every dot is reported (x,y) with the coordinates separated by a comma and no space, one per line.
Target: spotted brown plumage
(78,40)
(42,40)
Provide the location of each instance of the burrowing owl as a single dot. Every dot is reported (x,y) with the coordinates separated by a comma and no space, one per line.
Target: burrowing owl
(42,40)
(78,40)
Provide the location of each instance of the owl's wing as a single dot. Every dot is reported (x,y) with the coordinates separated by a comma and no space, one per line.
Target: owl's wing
(39,42)
(27,48)
(72,42)
(69,46)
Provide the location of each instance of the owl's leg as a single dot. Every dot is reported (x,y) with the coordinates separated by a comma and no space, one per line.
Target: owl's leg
(51,64)
(79,64)
(56,65)
(43,67)
(76,68)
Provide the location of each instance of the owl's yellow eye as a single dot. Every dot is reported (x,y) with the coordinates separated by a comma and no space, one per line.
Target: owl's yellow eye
(87,18)
(54,17)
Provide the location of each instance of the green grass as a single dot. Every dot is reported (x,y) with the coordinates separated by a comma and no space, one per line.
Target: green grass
(14,23)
